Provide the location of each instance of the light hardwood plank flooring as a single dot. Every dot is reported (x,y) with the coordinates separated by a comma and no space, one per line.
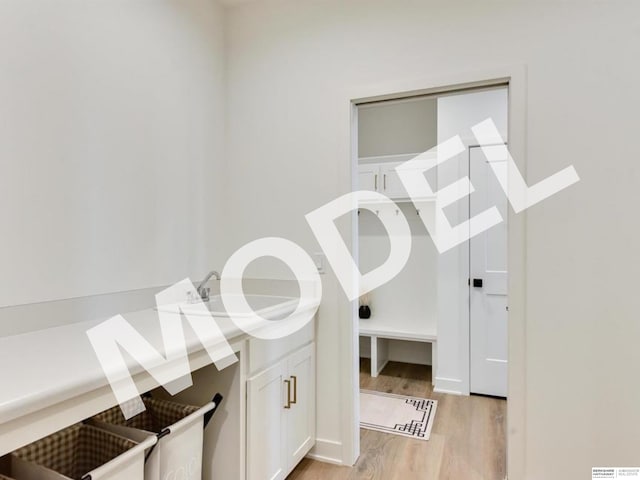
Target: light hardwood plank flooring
(468,440)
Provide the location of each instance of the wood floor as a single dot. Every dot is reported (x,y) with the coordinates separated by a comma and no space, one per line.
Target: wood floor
(467,442)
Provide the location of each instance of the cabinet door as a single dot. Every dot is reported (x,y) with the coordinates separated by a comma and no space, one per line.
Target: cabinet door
(266,424)
(369,177)
(301,418)
(391,185)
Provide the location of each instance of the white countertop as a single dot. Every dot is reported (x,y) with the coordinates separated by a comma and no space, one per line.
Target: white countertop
(42,368)
(52,378)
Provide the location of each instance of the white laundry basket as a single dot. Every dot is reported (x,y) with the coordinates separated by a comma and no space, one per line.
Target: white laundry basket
(179,429)
(81,452)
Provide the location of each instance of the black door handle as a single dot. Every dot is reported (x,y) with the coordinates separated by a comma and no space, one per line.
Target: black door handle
(477,282)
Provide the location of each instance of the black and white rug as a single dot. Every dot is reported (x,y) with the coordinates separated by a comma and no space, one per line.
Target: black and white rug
(398,414)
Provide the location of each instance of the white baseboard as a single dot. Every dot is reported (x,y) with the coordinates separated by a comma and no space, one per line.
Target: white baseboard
(451,386)
(327,451)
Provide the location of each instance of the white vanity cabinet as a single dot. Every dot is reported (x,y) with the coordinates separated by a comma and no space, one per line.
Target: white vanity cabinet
(266,424)
(301,417)
(281,417)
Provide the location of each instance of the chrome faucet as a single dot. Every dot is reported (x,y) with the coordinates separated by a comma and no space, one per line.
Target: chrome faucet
(202,290)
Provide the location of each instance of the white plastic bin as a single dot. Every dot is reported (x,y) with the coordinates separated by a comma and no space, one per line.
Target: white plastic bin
(81,452)
(180,432)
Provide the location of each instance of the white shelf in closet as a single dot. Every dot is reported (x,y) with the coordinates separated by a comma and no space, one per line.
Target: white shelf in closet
(399,328)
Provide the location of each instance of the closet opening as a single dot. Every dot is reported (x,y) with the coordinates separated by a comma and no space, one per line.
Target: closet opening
(433,340)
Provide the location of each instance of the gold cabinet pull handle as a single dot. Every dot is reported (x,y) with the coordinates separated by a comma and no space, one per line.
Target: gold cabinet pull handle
(295,389)
(288,405)
(384,181)
(375,182)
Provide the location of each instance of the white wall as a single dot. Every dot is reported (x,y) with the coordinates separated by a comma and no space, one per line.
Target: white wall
(413,292)
(30,317)
(293,64)
(112,131)
(392,128)
(456,115)
(411,296)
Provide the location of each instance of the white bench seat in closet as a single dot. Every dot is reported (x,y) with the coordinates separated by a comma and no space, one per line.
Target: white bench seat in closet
(380,329)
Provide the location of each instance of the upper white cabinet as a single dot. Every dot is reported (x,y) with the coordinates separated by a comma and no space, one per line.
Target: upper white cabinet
(379,174)
(368,177)
(382,178)
(391,184)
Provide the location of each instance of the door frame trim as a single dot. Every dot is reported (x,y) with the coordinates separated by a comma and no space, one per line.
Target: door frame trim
(515,76)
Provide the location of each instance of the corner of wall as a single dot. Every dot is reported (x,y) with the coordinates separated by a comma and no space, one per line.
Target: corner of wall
(452,386)
(327,451)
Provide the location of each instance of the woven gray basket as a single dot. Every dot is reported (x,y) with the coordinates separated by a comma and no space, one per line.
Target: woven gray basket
(75,451)
(158,415)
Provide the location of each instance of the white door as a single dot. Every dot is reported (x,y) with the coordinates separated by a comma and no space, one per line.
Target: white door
(488,284)
(368,177)
(301,417)
(266,424)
